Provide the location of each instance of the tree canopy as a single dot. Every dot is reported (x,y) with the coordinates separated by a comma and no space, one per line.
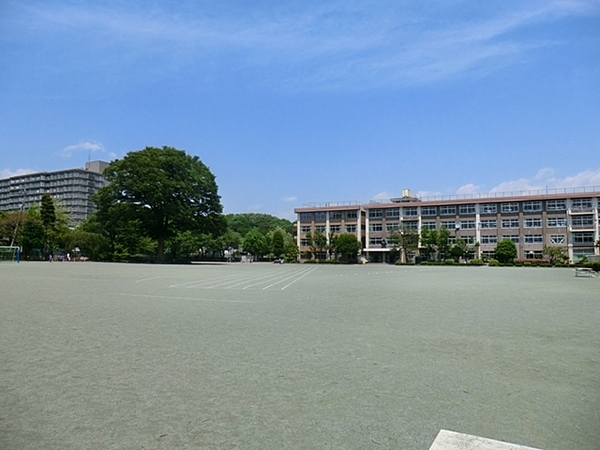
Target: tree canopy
(264,223)
(159,192)
(347,246)
(506,251)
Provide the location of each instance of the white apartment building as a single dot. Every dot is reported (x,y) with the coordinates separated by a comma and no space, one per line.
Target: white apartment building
(73,188)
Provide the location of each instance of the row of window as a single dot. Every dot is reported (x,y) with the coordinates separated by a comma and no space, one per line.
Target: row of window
(451,210)
(586,221)
(578,238)
(557,239)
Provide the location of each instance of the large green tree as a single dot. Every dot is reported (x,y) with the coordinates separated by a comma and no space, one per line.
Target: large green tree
(347,246)
(255,243)
(166,191)
(506,251)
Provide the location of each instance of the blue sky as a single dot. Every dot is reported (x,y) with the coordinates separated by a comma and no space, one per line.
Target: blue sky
(293,102)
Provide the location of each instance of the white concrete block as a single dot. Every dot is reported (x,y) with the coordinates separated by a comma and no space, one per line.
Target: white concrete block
(451,440)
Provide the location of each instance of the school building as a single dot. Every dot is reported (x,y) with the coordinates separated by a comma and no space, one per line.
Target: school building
(566,218)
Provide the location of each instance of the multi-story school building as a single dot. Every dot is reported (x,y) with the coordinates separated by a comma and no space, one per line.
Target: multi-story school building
(566,218)
(73,188)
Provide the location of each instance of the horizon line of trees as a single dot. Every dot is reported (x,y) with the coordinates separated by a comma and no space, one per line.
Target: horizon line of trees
(161,204)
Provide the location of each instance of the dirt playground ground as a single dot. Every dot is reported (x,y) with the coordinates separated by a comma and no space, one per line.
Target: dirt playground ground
(266,356)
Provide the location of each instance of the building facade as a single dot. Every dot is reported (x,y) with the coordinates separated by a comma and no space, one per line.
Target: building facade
(73,188)
(565,218)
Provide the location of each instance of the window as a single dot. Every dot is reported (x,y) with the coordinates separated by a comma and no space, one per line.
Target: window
(492,239)
(321,228)
(375,227)
(392,226)
(392,212)
(510,223)
(449,224)
(335,215)
(410,225)
(350,228)
(306,217)
(534,254)
(428,210)
(428,225)
(488,208)
(467,239)
(447,210)
(554,222)
(320,216)
(410,211)
(489,224)
(557,238)
(375,241)
(581,203)
(532,206)
(351,214)
(466,209)
(467,224)
(512,237)
(510,207)
(303,242)
(533,223)
(583,238)
(305,229)
(534,239)
(586,221)
(375,213)
(335,228)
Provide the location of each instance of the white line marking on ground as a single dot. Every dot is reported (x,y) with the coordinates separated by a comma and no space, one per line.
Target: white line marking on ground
(199,282)
(294,273)
(186,298)
(287,278)
(146,279)
(451,440)
(297,279)
(269,276)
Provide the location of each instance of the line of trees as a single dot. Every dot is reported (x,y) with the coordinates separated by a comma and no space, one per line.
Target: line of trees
(161,204)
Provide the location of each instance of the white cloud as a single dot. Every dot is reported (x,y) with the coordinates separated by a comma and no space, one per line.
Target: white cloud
(468,189)
(544,173)
(428,194)
(546,179)
(328,46)
(383,196)
(291,198)
(7,173)
(84,146)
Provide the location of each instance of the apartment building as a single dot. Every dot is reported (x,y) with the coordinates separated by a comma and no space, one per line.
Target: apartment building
(73,188)
(566,218)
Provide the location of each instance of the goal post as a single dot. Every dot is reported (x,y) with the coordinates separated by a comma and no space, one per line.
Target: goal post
(11,253)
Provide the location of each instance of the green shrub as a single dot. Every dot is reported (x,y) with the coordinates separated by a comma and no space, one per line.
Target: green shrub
(527,264)
(424,263)
(449,262)
(476,262)
(494,262)
(595,266)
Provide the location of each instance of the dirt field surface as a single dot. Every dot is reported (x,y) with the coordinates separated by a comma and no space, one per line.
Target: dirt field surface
(266,356)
